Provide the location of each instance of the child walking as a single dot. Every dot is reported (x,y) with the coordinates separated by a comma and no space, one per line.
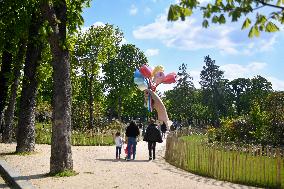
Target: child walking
(127,148)
(118,143)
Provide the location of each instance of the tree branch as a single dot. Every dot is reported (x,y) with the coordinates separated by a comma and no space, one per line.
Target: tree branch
(270,5)
(50,15)
(258,7)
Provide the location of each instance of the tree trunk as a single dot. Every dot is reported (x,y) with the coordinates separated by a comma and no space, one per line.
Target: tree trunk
(119,107)
(61,154)
(91,102)
(9,113)
(26,123)
(5,70)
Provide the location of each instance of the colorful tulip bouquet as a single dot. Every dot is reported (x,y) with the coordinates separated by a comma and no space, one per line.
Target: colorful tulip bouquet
(147,79)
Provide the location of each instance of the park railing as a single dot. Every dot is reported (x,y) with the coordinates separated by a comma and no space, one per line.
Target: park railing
(250,165)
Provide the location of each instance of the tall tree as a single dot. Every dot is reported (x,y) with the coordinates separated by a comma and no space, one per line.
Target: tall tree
(26,123)
(259,90)
(211,84)
(182,98)
(118,76)
(15,20)
(61,155)
(57,14)
(133,106)
(240,90)
(94,47)
(274,106)
(9,113)
(219,11)
(4,78)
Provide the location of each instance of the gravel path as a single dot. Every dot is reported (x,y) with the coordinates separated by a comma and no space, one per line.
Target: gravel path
(97,168)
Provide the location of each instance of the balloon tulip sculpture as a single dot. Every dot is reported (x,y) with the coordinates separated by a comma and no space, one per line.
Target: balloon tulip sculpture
(146,78)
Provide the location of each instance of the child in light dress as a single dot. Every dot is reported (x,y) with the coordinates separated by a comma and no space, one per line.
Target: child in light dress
(118,143)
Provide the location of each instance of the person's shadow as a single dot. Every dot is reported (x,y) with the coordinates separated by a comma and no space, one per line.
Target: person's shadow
(123,160)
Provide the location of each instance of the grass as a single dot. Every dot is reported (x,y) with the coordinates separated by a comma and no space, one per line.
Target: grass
(66,173)
(79,138)
(228,164)
(195,138)
(24,153)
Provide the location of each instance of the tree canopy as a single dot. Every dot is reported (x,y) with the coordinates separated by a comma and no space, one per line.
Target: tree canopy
(259,15)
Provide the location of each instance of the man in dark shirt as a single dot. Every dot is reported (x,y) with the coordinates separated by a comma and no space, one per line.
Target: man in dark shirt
(132,132)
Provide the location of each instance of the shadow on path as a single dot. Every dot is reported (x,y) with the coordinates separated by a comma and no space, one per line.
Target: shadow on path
(8,153)
(29,177)
(123,160)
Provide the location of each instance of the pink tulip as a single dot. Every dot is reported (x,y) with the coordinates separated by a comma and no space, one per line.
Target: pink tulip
(146,71)
(170,78)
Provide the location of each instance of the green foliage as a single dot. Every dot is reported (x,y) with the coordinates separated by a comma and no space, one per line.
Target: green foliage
(274,130)
(66,173)
(195,138)
(239,89)
(219,10)
(254,32)
(119,80)
(259,120)
(246,23)
(176,12)
(180,100)
(24,153)
(133,106)
(212,85)
(43,112)
(100,137)
(93,47)
(241,130)
(261,126)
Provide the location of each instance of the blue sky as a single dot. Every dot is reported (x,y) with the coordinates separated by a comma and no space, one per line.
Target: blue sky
(170,44)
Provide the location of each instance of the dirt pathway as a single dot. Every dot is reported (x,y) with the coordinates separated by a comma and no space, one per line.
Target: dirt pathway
(97,168)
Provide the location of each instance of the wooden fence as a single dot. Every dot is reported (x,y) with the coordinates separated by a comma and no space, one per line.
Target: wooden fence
(251,165)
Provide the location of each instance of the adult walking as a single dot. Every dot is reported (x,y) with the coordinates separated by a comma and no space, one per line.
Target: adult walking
(132,132)
(164,129)
(152,136)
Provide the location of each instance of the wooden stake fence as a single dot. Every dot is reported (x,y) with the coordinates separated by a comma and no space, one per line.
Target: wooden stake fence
(251,165)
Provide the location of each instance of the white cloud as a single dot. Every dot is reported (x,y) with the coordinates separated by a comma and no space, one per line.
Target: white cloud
(152,52)
(204,2)
(195,74)
(233,71)
(133,10)
(84,29)
(277,84)
(98,24)
(190,35)
(186,35)
(165,87)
